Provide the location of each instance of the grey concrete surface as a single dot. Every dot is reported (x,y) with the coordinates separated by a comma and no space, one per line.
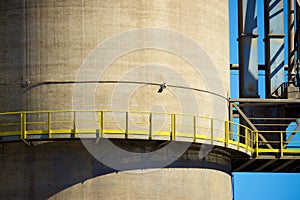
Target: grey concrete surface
(47,42)
(65,170)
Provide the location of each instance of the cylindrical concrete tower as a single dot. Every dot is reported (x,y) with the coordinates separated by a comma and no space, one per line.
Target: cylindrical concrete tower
(114,55)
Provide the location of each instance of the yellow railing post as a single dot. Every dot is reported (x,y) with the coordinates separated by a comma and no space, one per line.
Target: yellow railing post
(281,144)
(126,125)
(23,125)
(195,127)
(173,126)
(256,142)
(251,139)
(74,124)
(101,123)
(238,136)
(246,139)
(49,124)
(211,130)
(150,127)
(226,133)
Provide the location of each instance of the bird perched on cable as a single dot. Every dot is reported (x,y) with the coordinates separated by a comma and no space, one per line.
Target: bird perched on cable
(25,83)
(162,87)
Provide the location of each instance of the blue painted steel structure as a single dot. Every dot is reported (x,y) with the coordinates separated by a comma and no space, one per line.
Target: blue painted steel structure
(248,61)
(268,114)
(276,29)
(274,47)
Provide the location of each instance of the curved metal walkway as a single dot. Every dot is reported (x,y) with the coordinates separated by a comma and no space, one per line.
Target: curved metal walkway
(45,125)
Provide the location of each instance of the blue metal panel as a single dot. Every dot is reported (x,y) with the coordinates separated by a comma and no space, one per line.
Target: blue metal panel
(276,35)
(248,49)
(276,17)
(277,65)
(250,17)
(251,67)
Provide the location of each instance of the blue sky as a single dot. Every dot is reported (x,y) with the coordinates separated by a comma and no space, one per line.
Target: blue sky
(258,186)
(265,186)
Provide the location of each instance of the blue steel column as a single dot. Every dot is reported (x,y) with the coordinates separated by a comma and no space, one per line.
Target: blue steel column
(274,47)
(248,62)
(297,42)
(291,44)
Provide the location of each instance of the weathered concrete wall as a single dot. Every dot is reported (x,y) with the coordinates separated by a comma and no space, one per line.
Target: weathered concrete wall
(65,170)
(47,41)
(165,184)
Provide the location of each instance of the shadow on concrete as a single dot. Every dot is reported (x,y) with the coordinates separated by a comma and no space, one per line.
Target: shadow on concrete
(45,168)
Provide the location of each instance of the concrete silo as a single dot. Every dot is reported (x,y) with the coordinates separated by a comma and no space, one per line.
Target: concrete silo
(51,53)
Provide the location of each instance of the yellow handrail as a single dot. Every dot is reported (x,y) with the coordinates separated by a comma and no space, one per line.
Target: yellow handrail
(139,124)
